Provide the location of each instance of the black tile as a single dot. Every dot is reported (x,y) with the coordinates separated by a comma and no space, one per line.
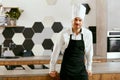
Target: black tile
(28,33)
(8,33)
(38,27)
(18,50)
(28,44)
(7,42)
(18,29)
(47,44)
(57,27)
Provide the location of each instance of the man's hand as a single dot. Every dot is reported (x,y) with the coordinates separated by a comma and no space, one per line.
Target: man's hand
(53,73)
(89,73)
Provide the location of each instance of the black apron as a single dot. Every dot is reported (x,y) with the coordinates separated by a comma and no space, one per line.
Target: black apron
(73,63)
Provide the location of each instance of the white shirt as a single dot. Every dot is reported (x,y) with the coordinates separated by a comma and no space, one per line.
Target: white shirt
(63,42)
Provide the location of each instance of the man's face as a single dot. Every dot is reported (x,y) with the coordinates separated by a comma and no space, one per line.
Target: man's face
(77,22)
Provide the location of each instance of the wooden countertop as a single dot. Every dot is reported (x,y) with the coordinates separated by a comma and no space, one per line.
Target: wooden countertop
(27,60)
(102,69)
(98,68)
(36,60)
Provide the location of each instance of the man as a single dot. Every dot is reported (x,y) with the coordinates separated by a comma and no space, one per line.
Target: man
(76,45)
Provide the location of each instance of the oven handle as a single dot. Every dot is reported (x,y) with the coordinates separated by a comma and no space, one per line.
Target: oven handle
(114,38)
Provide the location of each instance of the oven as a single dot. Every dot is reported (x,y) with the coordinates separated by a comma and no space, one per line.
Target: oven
(113,44)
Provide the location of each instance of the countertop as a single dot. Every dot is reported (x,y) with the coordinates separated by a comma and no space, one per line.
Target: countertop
(98,68)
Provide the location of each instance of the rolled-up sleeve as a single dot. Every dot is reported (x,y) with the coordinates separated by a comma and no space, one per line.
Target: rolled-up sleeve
(55,53)
(89,50)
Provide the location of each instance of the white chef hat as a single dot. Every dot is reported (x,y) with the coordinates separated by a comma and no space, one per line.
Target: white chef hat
(78,10)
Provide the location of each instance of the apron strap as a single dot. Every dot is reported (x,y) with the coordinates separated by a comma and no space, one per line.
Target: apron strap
(81,36)
(70,36)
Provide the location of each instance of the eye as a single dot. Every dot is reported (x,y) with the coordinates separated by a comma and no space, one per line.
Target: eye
(80,19)
(75,19)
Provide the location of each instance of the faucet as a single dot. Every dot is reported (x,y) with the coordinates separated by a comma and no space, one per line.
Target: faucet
(3,48)
(12,46)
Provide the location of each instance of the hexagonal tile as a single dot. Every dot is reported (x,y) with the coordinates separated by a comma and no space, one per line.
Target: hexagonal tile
(18,29)
(48,21)
(1,39)
(87,7)
(28,44)
(8,33)
(38,38)
(57,27)
(51,2)
(38,27)
(47,53)
(7,42)
(38,50)
(28,32)
(18,50)
(47,32)
(18,38)
(47,44)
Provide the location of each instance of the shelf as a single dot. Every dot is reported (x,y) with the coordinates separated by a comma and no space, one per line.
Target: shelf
(9,7)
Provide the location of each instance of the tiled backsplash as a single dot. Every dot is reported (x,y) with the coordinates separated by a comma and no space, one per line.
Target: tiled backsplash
(37,39)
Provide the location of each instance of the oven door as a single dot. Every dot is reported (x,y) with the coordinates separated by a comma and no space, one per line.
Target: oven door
(113,47)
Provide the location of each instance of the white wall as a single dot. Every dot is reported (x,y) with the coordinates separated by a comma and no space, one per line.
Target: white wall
(113,14)
(49,11)
(39,10)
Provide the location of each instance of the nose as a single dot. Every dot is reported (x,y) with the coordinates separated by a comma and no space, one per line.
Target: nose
(77,22)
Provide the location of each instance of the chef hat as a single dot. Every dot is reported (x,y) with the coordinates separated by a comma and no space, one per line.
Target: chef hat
(78,10)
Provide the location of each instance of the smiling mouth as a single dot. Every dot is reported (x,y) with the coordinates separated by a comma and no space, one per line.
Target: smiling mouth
(77,24)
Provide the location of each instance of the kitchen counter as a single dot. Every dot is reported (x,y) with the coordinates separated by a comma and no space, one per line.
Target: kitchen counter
(101,70)
(106,67)
(26,60)
(36,60)
(98,68)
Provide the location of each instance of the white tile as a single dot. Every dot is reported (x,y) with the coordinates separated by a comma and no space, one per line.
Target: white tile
(18,38)
(48,21)
(38,38)
(38,50)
